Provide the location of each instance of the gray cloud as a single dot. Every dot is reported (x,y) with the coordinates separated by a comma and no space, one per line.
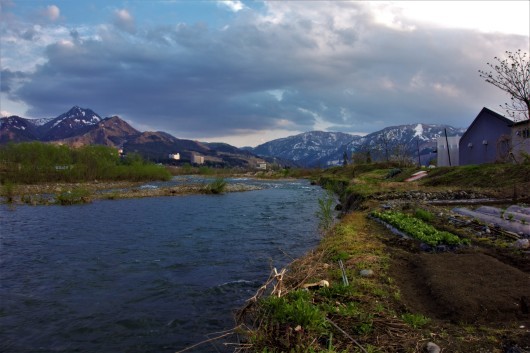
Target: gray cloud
(330,65)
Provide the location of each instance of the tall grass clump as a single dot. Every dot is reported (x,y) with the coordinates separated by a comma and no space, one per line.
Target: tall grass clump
(218,186)
(325,210)
(8,191)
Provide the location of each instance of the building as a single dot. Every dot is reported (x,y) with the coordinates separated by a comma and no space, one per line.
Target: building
(197,158)
(487,140)
(174,156)
(262,165)
(447,151)
(521,141)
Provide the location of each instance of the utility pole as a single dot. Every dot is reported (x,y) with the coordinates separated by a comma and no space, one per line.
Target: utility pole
(418,148)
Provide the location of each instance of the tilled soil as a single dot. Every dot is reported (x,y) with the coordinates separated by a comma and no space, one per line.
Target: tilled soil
(477,287)
(463,288)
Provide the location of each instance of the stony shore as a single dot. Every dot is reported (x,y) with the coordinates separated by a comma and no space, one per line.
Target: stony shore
(48,193)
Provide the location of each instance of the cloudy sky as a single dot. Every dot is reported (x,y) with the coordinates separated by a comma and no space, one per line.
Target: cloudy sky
(246,72)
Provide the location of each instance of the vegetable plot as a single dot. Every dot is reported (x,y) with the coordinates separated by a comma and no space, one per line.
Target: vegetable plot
(418,229)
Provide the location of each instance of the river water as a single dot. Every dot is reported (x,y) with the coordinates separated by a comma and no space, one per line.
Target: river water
(144,275)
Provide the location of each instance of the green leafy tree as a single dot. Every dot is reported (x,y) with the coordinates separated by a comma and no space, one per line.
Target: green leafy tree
(512,75)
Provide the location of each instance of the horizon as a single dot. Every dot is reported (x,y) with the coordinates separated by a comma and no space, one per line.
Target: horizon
(248,72)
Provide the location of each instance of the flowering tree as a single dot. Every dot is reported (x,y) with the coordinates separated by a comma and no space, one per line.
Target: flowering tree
(512,75)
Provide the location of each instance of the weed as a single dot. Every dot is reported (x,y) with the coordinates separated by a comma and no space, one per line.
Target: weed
(75,196)
(415,320)
(295,309)
(325,211)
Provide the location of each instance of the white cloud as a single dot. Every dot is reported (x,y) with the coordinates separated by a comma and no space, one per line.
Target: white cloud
(52,12)
(232,5)
(486,16)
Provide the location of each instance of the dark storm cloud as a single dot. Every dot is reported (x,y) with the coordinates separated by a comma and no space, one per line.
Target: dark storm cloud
(9,79)
(260,74)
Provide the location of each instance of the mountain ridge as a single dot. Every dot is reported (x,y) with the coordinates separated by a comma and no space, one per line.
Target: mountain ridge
(78,127)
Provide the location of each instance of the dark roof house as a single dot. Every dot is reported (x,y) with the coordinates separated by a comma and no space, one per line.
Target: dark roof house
(487,140)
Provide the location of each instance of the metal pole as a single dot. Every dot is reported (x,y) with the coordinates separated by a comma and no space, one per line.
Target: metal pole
(447,143)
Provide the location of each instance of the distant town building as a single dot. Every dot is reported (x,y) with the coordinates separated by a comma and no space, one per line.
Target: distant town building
(447,154)
(197,158)
(262,165)
(174,156)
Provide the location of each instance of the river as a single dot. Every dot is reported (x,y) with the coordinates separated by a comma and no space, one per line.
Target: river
(144,275)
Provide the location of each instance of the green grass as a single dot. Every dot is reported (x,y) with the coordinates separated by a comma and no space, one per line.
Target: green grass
(415,320)
(481,176)
(73,197)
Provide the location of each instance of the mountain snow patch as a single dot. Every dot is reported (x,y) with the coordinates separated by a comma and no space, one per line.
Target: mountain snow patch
(419,131)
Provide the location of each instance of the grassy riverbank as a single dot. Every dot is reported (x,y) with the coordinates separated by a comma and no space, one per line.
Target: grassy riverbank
(401,296)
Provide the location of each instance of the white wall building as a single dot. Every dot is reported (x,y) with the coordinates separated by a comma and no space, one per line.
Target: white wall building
(448,156)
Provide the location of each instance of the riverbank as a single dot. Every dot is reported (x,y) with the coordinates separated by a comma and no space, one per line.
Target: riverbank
(386,293)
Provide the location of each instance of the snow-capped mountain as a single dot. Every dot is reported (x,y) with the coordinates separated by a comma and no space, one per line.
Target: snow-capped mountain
(17,129)
(404,141)
(309,149)
(319,148)
(74,122)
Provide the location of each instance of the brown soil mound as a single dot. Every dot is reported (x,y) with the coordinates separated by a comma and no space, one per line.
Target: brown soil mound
(463,288)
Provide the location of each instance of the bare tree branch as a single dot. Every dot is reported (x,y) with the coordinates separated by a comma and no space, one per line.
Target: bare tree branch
(512,75)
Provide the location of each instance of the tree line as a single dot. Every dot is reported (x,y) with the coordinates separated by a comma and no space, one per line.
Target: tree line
(36,162)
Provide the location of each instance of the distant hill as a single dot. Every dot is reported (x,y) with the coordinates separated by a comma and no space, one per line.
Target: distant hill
(309,149)
(79,127)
